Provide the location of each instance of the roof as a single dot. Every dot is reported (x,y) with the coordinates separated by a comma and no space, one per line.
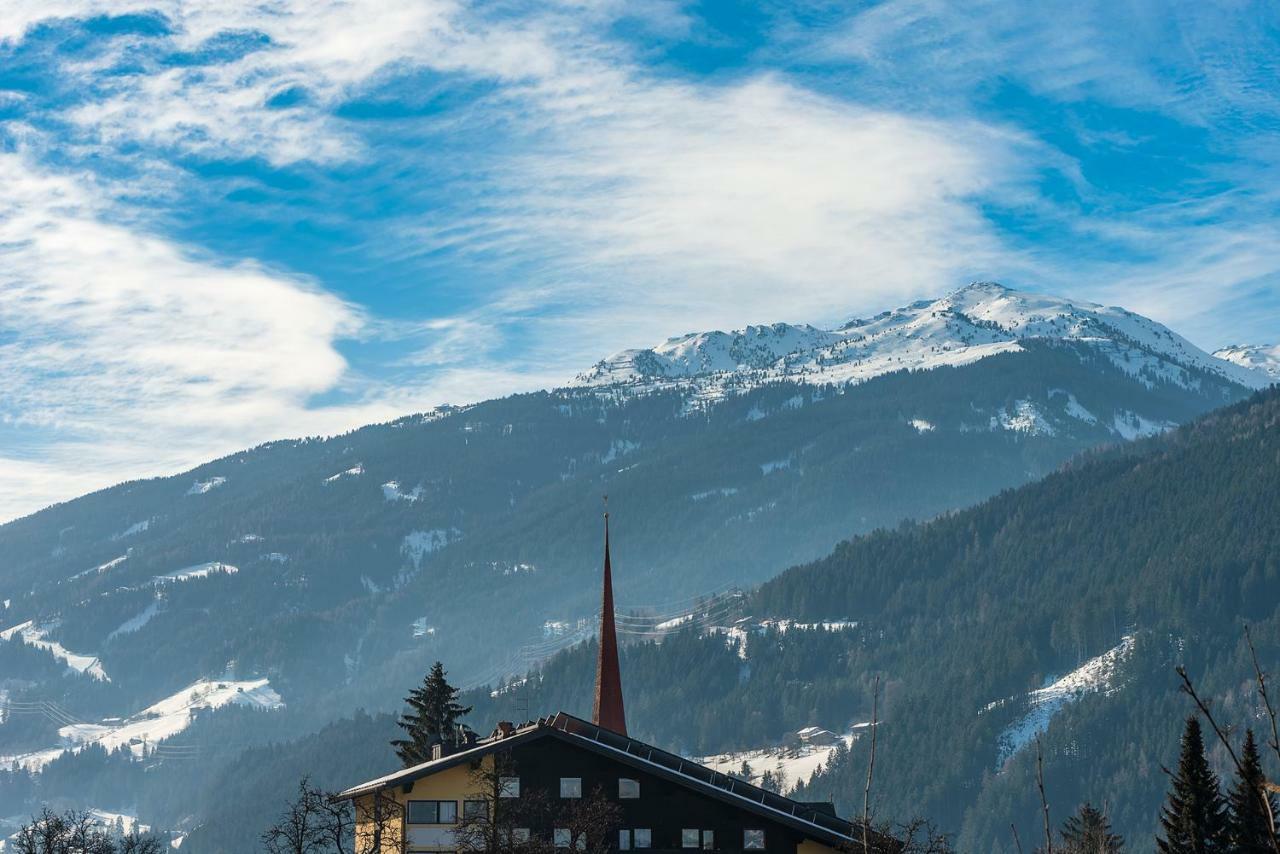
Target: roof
(809,819)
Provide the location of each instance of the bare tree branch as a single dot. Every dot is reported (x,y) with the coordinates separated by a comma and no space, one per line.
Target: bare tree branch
(1044,802)
(1262,692)
(871,766)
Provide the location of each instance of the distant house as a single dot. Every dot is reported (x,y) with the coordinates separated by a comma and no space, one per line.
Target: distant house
(817,736)
(563,764)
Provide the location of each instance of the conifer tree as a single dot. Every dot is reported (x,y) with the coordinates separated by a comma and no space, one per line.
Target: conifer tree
(1248,819)
(1089,832)
(432,717)
(1194,817)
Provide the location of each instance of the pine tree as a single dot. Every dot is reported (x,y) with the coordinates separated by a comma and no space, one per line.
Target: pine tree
(1247,817)
(1089,832)
(432,717)
(1194,817)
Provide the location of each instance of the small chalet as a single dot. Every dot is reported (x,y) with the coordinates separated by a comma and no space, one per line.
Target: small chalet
(817,736)
(564,783)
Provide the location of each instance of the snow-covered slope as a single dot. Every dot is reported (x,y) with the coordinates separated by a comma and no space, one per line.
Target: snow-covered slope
(1256,357)
(141,733)
(1094,675)
(977,321)
(789,765)
(36,635)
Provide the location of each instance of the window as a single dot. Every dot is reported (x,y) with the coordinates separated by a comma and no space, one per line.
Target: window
(570,787)
(691,837)
(624,840)
(562,838)
(475,810)
(753,840)
(433,812)
(508,787)
(643,837)
(628,789)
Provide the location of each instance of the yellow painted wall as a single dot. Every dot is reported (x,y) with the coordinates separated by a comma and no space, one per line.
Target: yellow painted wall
(808,846)
(452,784)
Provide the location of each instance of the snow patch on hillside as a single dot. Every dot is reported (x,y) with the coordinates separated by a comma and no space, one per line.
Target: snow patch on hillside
(723,491)
(391,492)
(200,570)
(140,733)
(418,544)
(1131,425)
(1074,407)
(135,528)
(136,622)
(1093,676)
(1024,417)
(775,465)
(100,568)
(921,426)
(792,764)
(36,636)
(355,471)
(1263,358)
(619,448)
(200,487)
(735,634)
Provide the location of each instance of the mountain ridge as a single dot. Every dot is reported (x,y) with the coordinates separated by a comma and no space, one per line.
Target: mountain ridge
(1258,357)
(976,321)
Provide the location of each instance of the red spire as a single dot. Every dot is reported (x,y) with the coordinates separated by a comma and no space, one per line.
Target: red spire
(608,711)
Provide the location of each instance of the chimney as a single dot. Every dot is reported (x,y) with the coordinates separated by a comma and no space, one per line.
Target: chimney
(608,711)
(505,729)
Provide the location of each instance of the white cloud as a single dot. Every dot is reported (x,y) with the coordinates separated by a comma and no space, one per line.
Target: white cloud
(126,355)
(327,49)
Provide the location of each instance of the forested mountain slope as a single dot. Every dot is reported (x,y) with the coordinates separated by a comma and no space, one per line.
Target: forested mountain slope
(356,559)
(325,575)
(1129,561)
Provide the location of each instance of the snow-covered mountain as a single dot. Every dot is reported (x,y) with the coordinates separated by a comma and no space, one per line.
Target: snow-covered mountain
(1257,357)
(977,321)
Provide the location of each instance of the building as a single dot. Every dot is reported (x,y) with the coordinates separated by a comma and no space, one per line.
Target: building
(533,788)
(817,736)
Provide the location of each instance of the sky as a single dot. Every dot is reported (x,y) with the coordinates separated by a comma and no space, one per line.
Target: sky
(224,222)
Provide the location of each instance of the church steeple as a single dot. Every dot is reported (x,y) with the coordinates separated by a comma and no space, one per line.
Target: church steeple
(608,711)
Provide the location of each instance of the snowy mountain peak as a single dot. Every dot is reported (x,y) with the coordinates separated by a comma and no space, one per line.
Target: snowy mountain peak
(976,321)
(1256,357)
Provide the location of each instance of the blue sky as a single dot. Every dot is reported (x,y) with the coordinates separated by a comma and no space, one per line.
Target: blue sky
(226,222)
